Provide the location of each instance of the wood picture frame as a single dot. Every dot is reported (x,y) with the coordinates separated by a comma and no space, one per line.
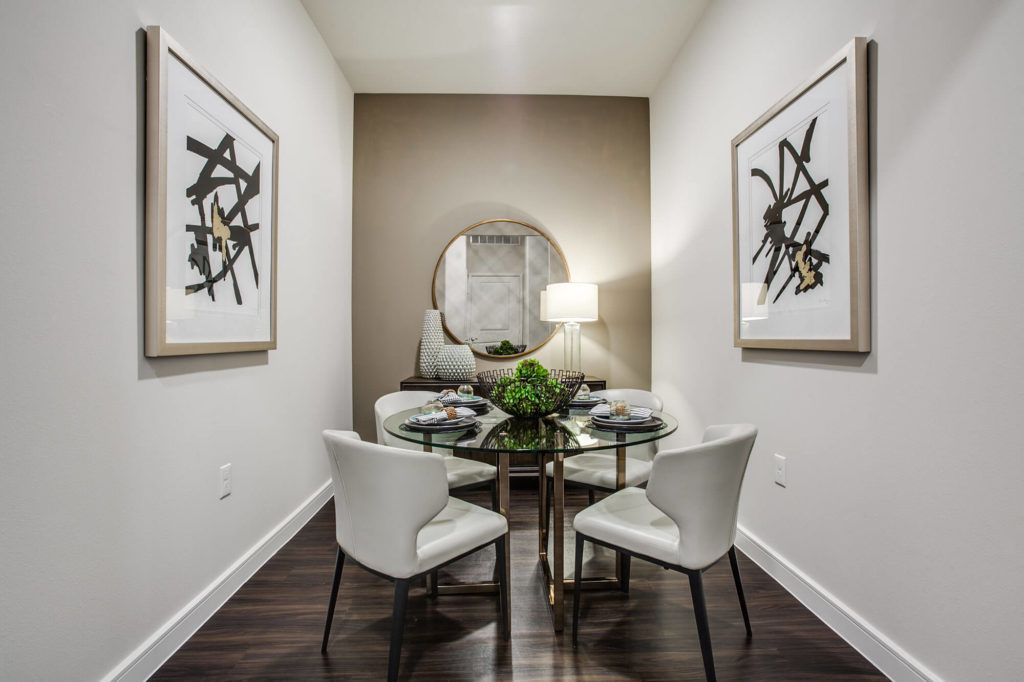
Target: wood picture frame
(211,212)
(801,260)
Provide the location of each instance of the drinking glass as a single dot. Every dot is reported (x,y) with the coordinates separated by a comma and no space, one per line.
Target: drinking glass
(618,410)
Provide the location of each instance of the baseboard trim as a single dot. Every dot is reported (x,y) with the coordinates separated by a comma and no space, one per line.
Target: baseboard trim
(883,653)
(161,645)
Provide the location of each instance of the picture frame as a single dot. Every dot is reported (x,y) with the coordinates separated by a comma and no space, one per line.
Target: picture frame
(801,260)
(211,212)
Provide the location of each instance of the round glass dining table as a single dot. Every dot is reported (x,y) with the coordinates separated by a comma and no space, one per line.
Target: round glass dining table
(554,437)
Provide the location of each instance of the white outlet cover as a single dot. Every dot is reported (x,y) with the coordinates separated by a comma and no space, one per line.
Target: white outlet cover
(780,470)
(225,481)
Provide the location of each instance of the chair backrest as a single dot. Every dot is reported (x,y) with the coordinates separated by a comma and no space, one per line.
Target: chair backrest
(383,496)
(640,398)
(633,396)
(698,487)
(390,403)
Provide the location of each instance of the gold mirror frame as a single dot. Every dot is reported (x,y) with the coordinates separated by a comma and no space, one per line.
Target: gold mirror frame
(437,266)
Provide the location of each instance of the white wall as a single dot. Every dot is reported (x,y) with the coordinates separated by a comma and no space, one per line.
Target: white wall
(905,470)
(110,521)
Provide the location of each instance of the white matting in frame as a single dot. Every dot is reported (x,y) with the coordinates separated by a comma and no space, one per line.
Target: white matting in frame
(800,216)
(211,212)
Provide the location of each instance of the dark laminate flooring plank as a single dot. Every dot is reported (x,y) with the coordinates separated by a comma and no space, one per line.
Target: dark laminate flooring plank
(271,628)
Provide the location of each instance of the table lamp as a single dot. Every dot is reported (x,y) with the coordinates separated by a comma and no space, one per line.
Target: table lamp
(571,303)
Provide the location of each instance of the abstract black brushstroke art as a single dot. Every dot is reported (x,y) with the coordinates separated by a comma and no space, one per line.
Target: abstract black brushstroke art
(227,230)
(782,244)
(211,212)
(800,215)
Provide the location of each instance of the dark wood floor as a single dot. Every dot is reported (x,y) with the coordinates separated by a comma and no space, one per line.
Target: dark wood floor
(272,627)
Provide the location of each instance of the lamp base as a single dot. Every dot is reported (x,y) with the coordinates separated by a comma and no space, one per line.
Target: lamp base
(571,336)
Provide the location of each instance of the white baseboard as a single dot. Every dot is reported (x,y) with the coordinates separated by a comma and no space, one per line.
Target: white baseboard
(883,653)
(154,652)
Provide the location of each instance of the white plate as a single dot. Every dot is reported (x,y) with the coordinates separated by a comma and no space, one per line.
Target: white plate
(475,402)
(633,425)
(441,427)
(605,421)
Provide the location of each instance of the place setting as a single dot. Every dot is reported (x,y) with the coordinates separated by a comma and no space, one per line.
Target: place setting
(618,415)
(441,420)
(585,399)
(464,397)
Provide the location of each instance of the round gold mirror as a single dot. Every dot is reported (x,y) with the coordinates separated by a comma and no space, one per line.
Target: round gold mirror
(487,285)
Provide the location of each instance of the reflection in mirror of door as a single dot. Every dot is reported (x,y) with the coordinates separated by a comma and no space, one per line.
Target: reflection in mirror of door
(488,284)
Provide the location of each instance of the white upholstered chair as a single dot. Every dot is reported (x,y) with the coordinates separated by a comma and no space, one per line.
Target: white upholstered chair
(393,517)
(685,520)
(596,470)
(461,473)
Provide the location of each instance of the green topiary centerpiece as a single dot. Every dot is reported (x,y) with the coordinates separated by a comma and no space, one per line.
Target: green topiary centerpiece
(529,390)
(505,348)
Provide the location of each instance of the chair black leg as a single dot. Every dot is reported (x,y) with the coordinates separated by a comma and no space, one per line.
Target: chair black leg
(739,589)
(338,564)
(494,495)
(590,496)
(700,612)
(625,572)
(432,583)
(576,589)
(499,552)
(397,628)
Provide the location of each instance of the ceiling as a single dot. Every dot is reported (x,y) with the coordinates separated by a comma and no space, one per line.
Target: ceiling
(538,47)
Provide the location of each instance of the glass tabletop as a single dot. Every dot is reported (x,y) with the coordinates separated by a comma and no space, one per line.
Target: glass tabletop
(496,431)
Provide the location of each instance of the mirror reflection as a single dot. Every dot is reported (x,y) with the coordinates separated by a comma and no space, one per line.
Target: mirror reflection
(487,285)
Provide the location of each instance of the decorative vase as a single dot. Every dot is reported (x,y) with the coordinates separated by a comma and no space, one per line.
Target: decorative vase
(456,363)
(431,343)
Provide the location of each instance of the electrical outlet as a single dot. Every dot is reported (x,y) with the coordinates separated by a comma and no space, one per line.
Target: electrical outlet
(780,470)
(225,481)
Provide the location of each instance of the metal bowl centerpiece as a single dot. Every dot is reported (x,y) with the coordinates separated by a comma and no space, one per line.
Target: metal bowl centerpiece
(529,390)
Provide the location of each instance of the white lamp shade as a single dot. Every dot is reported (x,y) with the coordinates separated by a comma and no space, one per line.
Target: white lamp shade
(572,302)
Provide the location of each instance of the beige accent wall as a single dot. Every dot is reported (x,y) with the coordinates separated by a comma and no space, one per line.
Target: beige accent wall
(427,166)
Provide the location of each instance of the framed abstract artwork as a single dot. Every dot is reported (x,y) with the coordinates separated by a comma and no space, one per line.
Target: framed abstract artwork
(211,212)
(801,269)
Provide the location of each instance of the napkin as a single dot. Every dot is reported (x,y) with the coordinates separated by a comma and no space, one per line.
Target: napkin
(451,398)
(442,417)
(635,413)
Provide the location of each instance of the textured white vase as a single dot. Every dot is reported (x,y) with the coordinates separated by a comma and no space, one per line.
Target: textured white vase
(456,363)
(431,343)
